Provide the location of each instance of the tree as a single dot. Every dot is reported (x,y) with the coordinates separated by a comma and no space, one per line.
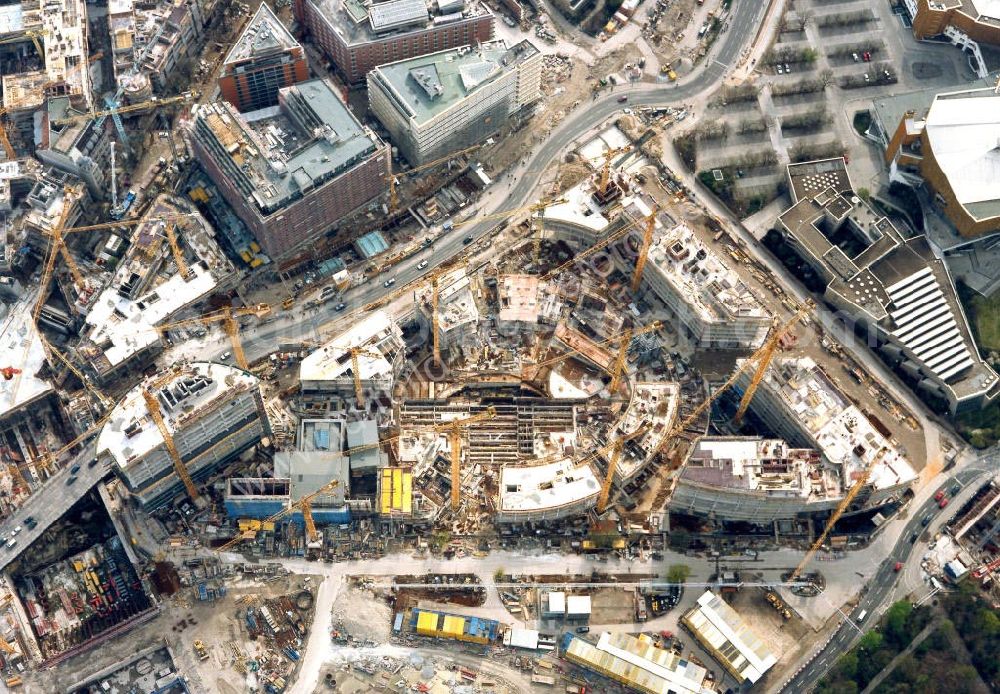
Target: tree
(870,642)
(680,539)
(678,573)
(498,574)
(864,194)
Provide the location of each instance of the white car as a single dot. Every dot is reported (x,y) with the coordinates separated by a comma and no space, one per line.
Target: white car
(225,356)
(423,264)
(780,70)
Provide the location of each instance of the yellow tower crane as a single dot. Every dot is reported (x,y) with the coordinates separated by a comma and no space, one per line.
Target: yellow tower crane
(606,169)
(454,431)
(765,351)
(844,504)
(304,504)
(394,195)
(598,245)
(617,449)
(356,352)
(175,248)
(153,406)
(625,340)
(647,241)
(228,316)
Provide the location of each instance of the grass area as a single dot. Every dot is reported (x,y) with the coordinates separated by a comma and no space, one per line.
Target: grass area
(984,315)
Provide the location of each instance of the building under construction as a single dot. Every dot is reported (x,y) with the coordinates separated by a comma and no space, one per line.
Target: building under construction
(211,413)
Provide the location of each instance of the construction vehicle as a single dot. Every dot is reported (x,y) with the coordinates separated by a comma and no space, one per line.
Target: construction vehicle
(766,353)
(393,194)
(228,316)
(200,650)
(8,372)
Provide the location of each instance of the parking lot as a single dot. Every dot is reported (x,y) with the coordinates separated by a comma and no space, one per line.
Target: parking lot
(828,61)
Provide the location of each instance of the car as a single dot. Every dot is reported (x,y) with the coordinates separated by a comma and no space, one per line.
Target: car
(582,630)
(788,68)
(389,282)
(422,264)
(15,531)
(926,520)
(866,56)
(340,307)
(467,240)
(93,462)
(943,503)
(75,469)
(939,495)
(898,566)
(225,356)
(868,78)
(11,542)
(623,98)
(913,538)
(780,70)
(955,489)
(855,56)
(30,522)
(70,480)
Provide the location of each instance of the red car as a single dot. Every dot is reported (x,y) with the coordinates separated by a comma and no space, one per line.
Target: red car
(866,56)
(898,566)
(942,503)
(939,496)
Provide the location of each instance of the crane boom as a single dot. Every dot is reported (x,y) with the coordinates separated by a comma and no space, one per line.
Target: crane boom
(302,503)
(590,250)
(153,405)
(837,513)
(142,106)
(175,248)
(663,493)
(647,241)
(454,430)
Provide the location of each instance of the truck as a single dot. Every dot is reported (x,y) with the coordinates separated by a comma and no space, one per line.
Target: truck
(575,689)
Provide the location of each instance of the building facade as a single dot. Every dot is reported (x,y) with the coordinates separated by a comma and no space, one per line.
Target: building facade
(214,412)
(291,188)
(265,59)
(966,23)
(447,101)
(357,37)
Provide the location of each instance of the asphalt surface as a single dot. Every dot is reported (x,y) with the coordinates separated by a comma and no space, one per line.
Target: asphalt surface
(49,503)
(878,590)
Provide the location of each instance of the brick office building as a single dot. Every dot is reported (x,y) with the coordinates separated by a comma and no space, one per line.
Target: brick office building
(358,37)
(263,60)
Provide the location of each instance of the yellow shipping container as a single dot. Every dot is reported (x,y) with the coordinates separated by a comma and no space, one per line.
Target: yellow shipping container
(427,624)
(453,626)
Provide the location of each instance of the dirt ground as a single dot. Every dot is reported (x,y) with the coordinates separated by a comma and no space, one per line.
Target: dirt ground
(787,639)
(612,606)
(358,615)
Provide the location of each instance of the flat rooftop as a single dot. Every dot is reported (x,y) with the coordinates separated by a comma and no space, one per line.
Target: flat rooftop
(653,403)
(66,46)
(333,360)
(549,486)
(813,177)
(638,662)
(707,283)
(429,85)
(357,22)
(580,209)
(130,432)
(716,623)
(25,90)
(264,35)
(286,150)
(22,346)
(763,466)
(519,298)
(844,434)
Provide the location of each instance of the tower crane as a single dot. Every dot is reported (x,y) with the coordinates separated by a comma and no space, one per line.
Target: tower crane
(175,248)
(228,316)
(597,246)
(614,459)
(129,222)
(304,504)
(844,504)
(606,169)
(34,35)
(153,406)
(151,104)
(766,351)
(647,241)
(4,140)
(625,340)
(394,196)
(454,431)
(356,352)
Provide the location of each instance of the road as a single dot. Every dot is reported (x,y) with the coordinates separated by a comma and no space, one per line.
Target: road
(880,588)
(51,502)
